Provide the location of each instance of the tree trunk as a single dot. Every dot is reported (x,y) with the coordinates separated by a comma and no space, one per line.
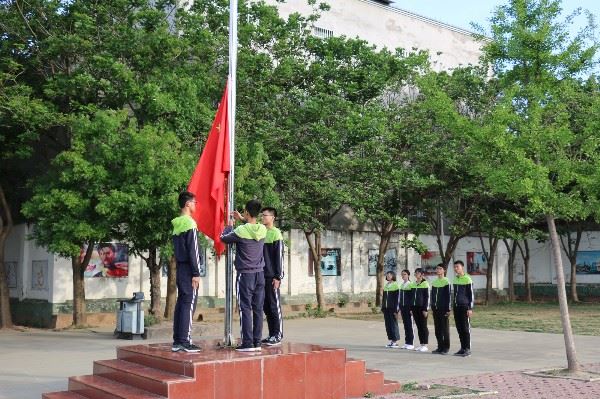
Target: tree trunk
(6,225)
(384,240)
(155,272)
(574,296)
(572,363)
(171,289)
(315,249)
(526,256)
(79,265)
(489,260)
(512,253)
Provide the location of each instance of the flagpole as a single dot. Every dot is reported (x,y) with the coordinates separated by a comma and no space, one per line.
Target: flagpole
(233,41)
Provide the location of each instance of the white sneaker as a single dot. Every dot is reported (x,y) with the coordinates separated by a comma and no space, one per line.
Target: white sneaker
(409,347)
(394,346)
(423,348)
(389,345)
(417,348)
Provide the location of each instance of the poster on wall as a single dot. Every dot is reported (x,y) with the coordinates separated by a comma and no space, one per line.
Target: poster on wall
(331,262)
(429,260)
(476,263)
(11,274)
(588,262)
(39,275)
(390,261)
(108,259)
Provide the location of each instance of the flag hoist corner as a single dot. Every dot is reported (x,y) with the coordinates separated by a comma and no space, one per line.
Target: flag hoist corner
(209,181)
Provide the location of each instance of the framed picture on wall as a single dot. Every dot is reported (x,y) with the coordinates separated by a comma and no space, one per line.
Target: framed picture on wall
(476,263)
(588,262)
(429,260)
(11,274)
(390,261)
(331,262)
(39,275)
(109,259)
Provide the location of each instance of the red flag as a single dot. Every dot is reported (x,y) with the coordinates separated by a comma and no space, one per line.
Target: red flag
(208,182)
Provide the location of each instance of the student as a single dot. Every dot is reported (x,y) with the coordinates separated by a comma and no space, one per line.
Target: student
(463,307)
(250,281)
(189,266)
(273,254)
(405,302)
(390,307)
(419,308)
(440,307)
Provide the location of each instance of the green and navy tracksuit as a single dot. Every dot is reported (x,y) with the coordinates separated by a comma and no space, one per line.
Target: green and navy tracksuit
(249,240)
(420,305)
(440,307)
(273,255)
(390,305)
(189,264)
(463,301)
(406,300)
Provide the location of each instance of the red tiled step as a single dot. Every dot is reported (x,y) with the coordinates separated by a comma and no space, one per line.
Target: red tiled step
(390,386)
(355,378)
(62,395)
(156,360)
(148,378)
(96,387)
(373,381)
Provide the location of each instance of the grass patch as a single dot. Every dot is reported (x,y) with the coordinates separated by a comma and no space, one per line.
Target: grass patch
(520,316)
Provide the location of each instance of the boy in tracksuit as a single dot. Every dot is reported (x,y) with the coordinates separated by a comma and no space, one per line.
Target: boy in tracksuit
(405,302)
(273,255)
(249,263)
(463,307)
(440,306)
(189,265)
(419,308)
(390,305)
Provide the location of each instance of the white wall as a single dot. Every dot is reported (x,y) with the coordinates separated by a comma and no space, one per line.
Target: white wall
(393,28)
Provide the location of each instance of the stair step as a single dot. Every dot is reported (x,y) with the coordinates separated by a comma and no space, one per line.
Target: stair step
(62,395)
(390,386)
(355,377)
(156,358)
(373,381)
(97,387)
(148,378)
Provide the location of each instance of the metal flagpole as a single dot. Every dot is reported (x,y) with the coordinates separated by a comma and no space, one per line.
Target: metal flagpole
(233,14)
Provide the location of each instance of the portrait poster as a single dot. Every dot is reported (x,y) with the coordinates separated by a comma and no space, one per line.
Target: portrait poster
(11,274)
(39,275)
(476,263)
(108,259)
(390,261)
(331,262)
(588,262)
(429,260)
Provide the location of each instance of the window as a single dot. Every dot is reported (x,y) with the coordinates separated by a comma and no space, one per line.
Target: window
(322,32)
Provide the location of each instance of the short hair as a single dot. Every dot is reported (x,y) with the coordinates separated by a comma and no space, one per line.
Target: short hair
(270,209)
(419,270)
(253,207)
(392,273)
(459,262)
(443,266)
(107,245)
(406,271)
(184,197)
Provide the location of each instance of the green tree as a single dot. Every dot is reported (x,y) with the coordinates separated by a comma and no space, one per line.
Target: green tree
(529,134)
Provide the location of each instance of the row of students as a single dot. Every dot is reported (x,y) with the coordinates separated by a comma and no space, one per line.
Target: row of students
(412,301)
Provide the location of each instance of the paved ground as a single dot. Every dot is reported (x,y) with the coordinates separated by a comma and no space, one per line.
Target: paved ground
(37,361)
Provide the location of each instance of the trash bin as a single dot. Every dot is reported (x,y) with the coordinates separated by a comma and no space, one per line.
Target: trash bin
(130,318)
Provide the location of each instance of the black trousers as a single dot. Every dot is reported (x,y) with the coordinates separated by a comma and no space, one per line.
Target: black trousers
(251,297)
(185,305)
(441,323)
(273,309)
(421,322)
(409,335)
(463,326)
(391,325)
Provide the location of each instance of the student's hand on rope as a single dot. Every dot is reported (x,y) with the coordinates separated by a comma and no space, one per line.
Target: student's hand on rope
(195,282)
(469,313)
(238,216)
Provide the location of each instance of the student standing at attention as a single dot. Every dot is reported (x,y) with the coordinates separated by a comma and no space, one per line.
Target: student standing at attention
(249,241)
(273,254)
(406,301)
(390,307)
(189,265)
(440,307)
(463,307)
(420,290)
